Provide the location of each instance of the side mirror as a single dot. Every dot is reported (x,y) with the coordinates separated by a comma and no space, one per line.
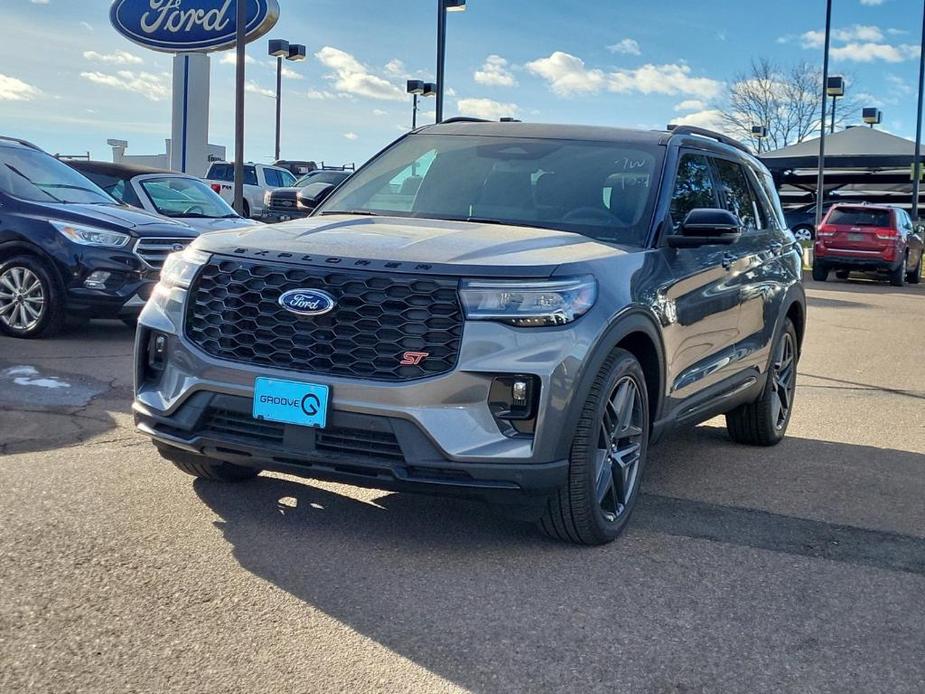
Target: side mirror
(705,226)
(313,195)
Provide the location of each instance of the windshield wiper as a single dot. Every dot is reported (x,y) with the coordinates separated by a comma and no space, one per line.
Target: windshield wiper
(365,213)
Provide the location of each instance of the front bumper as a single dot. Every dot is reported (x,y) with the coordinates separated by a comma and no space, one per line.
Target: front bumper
(446,435)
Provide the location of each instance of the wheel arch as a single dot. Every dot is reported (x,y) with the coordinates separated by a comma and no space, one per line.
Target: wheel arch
(9,249)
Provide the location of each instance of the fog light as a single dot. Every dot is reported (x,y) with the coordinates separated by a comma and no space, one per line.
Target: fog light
(157,351)
(513,403)
(97,279)
(519,392)
(160,344)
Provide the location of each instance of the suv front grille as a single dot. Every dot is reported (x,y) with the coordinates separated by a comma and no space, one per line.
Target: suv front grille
(233,313)
(155,251)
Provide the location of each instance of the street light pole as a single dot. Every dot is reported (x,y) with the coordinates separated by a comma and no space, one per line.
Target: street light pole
(443,6)
(279,102)
(240,33)
(833,114)
(825,82)
(917,157)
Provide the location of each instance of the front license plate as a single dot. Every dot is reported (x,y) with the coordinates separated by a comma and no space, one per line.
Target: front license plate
(291,402)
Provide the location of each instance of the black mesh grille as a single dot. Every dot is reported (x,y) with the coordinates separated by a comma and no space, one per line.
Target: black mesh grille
(234,314)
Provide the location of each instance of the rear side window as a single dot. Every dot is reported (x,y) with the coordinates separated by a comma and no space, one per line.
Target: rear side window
(693,187)
(221,172)
(860,217)
(737,192)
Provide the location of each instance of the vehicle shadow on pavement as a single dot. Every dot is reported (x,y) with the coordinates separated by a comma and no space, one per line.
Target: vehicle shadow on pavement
(492,605)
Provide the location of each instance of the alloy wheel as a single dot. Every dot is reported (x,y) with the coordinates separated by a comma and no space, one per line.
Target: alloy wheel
(618,453)
(22,298)
(783,381)
(803,234)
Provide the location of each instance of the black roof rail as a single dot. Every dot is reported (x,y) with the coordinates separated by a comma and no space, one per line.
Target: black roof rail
(464,119)
(20,141)
(703,132)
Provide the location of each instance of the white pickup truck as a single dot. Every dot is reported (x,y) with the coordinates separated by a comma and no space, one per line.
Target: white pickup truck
(258,179)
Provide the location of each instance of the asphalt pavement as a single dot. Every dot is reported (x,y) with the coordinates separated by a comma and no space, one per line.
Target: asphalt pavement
(799,568)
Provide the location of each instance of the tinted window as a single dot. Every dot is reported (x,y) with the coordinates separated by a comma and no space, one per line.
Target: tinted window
(860,217)
(737,193)
(556,184)
(175,196)
(29,174)
(221,172)
(274,180)
(119,188)
(250,176)
(693,187)
(287,178)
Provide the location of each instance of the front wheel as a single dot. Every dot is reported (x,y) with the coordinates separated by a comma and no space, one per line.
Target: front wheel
(31,304)
(820,272)
(764,422)
(607,459)
(915,274)
(805,234)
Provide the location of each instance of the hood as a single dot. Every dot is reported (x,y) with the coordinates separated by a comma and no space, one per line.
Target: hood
(204,224)
(284,193)
(135,221)
(405,240)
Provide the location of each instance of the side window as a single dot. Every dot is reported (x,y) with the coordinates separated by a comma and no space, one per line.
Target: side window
(286,178)
(221,172)
(250,176)
(693,187)
(737,193)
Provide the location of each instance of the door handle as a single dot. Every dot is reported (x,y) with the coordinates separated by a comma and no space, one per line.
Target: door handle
(728,260)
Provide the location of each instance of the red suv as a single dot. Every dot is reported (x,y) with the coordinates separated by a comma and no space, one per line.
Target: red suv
(868,238)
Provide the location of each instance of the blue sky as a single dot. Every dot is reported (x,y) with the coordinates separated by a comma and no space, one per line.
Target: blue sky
(68,81)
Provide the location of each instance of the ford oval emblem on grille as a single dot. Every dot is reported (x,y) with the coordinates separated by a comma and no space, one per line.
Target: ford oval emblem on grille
(307,302)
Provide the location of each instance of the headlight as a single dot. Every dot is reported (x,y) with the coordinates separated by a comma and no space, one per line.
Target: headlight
(266,198)
(91,236)
(525,303)
(180,268)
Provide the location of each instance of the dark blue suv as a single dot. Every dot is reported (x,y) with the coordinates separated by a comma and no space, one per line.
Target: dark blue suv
(68,249)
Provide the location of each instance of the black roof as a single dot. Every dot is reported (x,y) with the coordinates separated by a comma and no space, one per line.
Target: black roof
(16,142)
(107,168)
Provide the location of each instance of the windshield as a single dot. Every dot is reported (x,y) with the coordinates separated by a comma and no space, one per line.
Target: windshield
(32,175)
(174,196)
(604,190)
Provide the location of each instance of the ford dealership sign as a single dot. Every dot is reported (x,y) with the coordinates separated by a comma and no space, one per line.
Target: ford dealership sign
(180,26)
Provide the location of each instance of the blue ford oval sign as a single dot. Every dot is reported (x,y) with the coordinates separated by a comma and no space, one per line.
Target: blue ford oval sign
(178,26)
(307,302)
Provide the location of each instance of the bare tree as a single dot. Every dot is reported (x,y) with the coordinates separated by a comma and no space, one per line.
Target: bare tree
(785,101)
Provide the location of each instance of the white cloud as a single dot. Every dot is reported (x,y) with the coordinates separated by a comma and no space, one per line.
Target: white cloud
(12,89)
(255,88)
(690,105)
(232,59)
(320,95)
(712,119)
(869,52)
(290,74)
(351,136)
(626,46)
(350,76)
(380,112)
(87,26)
(872,3)
(118,57)
(494,72)
(39,2)
(395,67)
(486,108)
(568,75)
(150,86)
(858,32)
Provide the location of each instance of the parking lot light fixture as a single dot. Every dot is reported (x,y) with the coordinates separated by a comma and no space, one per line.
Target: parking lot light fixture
(759,132)
(282,49)
(834,87)
(872,116)
(443,6)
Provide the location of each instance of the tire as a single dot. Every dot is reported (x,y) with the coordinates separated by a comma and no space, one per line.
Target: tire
(915,275)
(842,274)
(247,210)
(763,422)
(820,272)
(28,285)
(804,233)
(206,468)
(898,276)
(593,507)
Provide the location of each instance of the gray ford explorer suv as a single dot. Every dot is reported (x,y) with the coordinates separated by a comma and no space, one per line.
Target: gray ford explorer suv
(508,311)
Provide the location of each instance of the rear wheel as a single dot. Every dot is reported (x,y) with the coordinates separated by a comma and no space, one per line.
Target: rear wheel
(607,458)
(842,274)
(898,276)
(764,422)
(820,272)
(804,233)
(31,304)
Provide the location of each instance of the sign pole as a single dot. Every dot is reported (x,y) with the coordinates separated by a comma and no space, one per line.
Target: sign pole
(917,156)
(825,81)
(240,45)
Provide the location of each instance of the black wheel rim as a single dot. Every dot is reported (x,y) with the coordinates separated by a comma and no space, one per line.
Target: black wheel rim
(783,381)
(619,448)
